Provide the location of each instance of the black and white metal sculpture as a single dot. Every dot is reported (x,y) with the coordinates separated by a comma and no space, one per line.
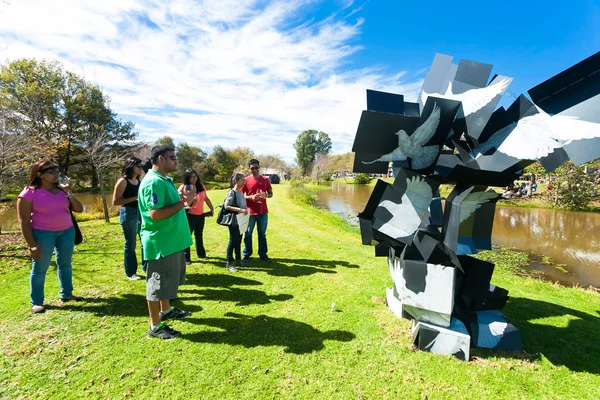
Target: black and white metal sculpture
(455,134)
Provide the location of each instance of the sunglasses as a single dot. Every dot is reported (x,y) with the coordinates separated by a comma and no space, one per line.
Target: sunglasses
(51,170)
(253,168)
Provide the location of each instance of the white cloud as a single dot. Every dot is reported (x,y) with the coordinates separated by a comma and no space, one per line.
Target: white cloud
(210,72)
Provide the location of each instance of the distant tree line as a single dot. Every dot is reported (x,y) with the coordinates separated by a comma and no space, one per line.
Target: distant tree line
(220,163)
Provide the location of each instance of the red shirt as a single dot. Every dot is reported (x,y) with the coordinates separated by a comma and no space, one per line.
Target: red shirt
(252,186)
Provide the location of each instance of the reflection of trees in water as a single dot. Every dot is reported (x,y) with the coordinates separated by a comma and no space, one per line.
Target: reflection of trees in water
(550,225)
(349,200)
(568,237)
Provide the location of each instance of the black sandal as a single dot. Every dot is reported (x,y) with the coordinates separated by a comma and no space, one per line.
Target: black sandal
(72,298)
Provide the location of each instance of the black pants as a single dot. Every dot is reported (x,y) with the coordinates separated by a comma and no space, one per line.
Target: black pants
(235,244)
(196,223)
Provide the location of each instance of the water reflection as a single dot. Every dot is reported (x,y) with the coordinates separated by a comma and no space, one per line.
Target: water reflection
(568,237)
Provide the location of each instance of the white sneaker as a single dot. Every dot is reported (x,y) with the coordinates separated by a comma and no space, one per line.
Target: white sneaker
(134,277)
(188,262)
(231,268)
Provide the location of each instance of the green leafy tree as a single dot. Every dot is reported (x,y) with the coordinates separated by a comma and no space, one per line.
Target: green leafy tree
(33,93)
(223,162)
(342,163)
(189,157)
(241,156)
(58,110)
(272,161)
(572,187)
(166,141)
(308,144)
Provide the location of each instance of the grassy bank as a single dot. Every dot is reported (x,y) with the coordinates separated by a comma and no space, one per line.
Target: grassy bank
(272,331)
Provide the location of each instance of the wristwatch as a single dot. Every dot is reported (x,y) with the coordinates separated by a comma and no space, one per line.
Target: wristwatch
(34,248)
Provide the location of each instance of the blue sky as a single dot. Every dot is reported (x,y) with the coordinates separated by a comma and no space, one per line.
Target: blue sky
(255,73)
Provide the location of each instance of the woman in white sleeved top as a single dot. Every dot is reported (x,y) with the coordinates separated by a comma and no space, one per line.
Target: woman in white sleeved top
(235,202)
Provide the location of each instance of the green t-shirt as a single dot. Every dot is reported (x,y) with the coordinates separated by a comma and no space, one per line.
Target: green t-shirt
(166,236)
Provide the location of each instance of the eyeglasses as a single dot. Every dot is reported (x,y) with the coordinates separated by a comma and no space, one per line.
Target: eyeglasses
(174,158)
(253,168)
(51,170)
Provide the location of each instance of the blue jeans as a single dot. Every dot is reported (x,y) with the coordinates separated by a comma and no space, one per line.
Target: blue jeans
(129,218)
(235,242)
(261,221)
(61,242)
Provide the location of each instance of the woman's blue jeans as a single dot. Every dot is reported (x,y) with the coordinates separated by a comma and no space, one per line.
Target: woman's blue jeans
(235,244)
(49,242)
(261,221)
(129,218)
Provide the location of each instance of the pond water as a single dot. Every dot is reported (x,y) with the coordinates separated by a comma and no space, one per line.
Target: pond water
(570,238)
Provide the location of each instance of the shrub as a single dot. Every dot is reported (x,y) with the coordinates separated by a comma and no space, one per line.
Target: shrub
(300,193)
(362,179)
(97,207)
(572,188)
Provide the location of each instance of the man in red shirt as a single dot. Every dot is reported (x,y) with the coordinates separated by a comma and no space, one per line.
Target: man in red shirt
(257,190)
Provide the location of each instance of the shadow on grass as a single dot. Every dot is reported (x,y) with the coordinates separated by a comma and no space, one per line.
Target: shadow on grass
(573,346)
(216,280)
(241,297)
(220,288)
(295,267)
(127,305)
(262,330)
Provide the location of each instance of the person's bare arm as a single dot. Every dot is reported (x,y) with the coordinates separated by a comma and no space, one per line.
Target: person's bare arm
(118,199)
(165,212)
(24,215)
(76,205)
(208,202)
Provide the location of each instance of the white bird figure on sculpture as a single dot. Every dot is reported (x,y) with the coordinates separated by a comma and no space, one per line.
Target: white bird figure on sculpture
(413,146)
(538,135)
(406,216)
(472,100)
(474,201)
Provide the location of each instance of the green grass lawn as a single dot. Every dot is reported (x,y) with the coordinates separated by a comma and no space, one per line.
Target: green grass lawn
(271,331)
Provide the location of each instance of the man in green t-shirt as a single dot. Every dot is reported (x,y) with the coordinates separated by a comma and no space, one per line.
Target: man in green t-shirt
(165,235)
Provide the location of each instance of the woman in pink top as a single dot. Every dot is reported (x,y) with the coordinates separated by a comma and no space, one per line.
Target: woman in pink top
(195,214)
(46,225)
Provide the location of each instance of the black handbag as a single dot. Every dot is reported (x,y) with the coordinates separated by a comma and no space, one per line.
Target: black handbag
(226,217)
(78,235)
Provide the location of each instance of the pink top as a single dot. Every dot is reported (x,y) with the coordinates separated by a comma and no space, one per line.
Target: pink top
(198,205)
(49,212)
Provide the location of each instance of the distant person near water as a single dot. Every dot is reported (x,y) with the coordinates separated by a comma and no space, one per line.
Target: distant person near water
(46,224)
(125,194)
(165,236)
(196,215)
(257,190)
(235,202)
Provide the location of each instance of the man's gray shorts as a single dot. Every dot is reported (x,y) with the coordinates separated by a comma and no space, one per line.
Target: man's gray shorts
(163,276)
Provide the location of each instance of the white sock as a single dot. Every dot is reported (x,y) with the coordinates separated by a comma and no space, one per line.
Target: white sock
(153,327)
